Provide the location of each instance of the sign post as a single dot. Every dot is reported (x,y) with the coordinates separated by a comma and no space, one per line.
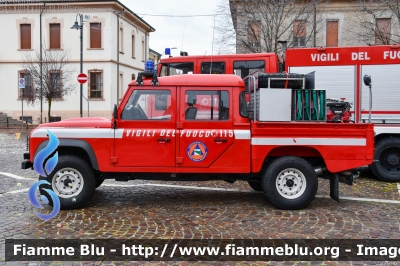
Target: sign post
(82,78)
(21,83)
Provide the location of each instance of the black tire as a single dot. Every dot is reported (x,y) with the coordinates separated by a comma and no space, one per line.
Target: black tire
(255,185)
(386,165)
(296,177)
(99,182)
(70,169)
(293,84)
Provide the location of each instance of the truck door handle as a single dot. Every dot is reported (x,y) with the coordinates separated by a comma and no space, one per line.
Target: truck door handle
(220,140)
(164,140)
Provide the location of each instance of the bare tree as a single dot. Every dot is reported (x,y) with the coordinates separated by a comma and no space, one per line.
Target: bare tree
(377,22)
(260,24)
(53,83)
(225,41)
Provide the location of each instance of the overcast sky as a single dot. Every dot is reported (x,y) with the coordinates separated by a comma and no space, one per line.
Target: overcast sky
(191,34)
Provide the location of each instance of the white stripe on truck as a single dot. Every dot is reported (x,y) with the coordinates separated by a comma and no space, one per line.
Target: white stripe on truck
(310,141)
(242,134)
(82,133)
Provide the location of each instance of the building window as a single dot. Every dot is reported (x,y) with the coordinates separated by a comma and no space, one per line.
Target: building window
(28,91)
(95,84)
(332,29)
(55,36)
(382,31)
(299,33)
(25,30)
(121,40)
(143,51)
(133,46)
(254,33)
(95,35)
(55,84)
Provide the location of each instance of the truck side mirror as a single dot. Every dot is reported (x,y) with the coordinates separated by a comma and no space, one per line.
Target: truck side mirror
(367,80)
(115,116)
(115,113)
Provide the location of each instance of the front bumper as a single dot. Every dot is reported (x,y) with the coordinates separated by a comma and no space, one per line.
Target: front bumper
(26,163)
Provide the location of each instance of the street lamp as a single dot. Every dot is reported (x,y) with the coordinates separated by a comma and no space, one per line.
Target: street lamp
(80,27)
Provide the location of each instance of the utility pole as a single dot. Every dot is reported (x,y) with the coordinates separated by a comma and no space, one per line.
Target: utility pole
(315,25)
(80,27)
(118,13)
(41,66)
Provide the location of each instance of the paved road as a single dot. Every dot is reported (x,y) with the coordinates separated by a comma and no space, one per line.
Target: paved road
(143,209)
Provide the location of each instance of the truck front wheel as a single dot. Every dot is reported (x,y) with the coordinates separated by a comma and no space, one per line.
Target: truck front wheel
(386,165)
(255,185)
(290,183)
(73,182)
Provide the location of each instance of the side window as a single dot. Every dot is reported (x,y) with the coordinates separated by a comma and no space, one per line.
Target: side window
(244,68)
(176,69)
(207,105)
(216,68)
(148,105)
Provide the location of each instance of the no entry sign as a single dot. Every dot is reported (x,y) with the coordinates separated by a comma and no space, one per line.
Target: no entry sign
(82,78)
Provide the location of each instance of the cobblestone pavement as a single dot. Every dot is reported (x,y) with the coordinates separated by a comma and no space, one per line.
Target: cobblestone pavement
(152,210)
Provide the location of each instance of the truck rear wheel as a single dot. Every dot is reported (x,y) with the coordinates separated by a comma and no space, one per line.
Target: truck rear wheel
(386,165)
(73,182)
(290,183)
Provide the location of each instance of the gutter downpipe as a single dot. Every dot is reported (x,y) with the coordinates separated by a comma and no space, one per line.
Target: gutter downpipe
(41,66)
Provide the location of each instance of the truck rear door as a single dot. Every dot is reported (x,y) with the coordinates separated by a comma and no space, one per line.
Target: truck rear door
(205,128)
(148,122)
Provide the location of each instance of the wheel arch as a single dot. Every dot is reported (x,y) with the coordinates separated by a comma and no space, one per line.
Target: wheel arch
(79,148)
(381,167)
(310,154)
(385,136)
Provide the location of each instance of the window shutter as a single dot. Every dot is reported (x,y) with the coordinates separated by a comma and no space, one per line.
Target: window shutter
(254,31)
(95,35)
(299,33)
(382,31)
(332,39)
(55,36)
(299,28)
(133,45)
(25,36)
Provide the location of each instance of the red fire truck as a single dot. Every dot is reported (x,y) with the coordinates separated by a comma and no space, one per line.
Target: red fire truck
(339,71)
(228,141)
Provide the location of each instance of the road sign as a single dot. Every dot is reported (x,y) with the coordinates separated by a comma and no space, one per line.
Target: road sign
(21,83)
(82,78)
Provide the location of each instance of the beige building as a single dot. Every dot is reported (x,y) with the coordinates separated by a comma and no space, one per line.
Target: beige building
(154,55)
(115,47)
(328,23)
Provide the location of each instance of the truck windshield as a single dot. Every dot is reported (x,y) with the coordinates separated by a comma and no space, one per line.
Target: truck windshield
(176,69)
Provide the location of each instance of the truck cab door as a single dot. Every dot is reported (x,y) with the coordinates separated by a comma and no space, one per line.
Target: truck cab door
(205,128)
(147,122)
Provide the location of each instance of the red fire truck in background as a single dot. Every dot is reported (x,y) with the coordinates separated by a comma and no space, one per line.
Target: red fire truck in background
(229,141)
(339,71)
